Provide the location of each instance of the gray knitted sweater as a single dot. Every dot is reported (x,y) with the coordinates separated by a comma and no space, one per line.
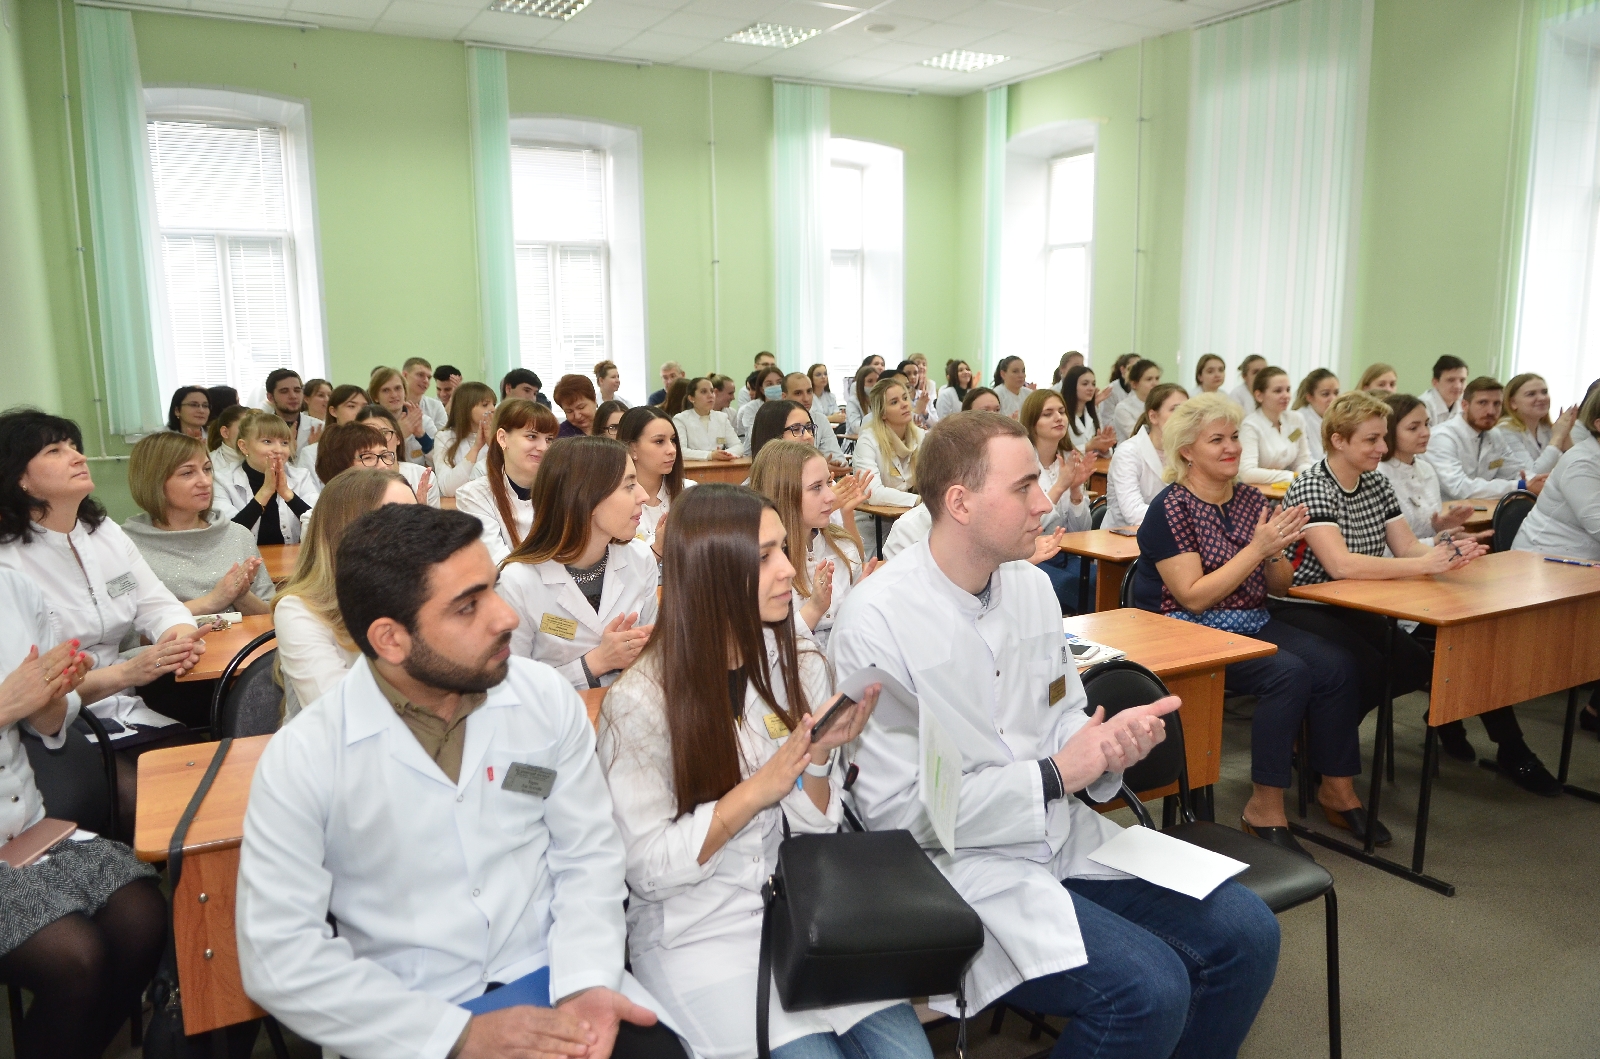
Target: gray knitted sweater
(190,562)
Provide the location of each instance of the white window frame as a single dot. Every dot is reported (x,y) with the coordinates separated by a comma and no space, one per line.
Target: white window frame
(197,103)
(882,268)
(627,308)
(1025,245)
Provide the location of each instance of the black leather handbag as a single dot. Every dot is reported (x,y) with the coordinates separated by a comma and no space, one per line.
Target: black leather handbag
(860,916)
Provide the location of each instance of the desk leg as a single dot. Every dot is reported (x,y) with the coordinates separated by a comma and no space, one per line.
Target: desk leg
(1567,734)
(1108,590)
(877,532)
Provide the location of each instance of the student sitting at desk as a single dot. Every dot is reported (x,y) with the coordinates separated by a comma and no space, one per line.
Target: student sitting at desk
(1526,428)
(583,582)
(523,430)
(781,421)
(974,634)
(444,807)
(1273,436)
(419,476)
(707,434)
(858,404)
(1470,456)
(1566,520)
(1143,376)
(1311,399)
(1085,427)
(704,794)
(888,448)
(1415,483)
(958,380)
(1135,475)
(1358,530)
(657,461)
(797,388)
(81,929)
(461,450)
(1063,472)
(265,493)
(1210,554)
(767,385)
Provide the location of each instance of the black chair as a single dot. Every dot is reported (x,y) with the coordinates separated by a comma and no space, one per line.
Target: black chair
(1508,515)
(1097,513)
(1125,596)
(1283,880)
(252,704)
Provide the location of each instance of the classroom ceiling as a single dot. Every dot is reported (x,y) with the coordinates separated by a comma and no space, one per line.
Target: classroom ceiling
(857,42)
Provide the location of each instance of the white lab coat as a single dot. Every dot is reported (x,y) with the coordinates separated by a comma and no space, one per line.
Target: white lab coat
(434,409)
(1272,453)
(535,591)
(1133,480)
(449,476)
(24,624)
(1470,463)
(1313,423)
(694,930)
(650,517)
(412,451)
(1538,456)
(846,572)
(1416,486)
(97,596)
(827,402)
(302,436)
(1566,520)
(438,888)
(1123,419)
(913,526)
(1074,517)
(1082,429)
(311,660)
(744,420)
(1438,411)
(475,499)
(1108,407)
(1241,396)
(230,492)
(938,640)
(1011,403)
(699,437)
(889,478)
(827,440)
(948,402)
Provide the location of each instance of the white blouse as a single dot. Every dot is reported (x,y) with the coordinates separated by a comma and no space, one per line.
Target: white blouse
(1129,409)
(700,435)
(1082,428)
(694,930)
(846,572)
(1566,520)
(1073,517)
(1272,453)
(1133,480)
(1535,450)
(1416,486)
(1011,403)
(826,402)
(449,475)
(1313,432)
(948,402)
(651,517)
(311,661)
(24,624)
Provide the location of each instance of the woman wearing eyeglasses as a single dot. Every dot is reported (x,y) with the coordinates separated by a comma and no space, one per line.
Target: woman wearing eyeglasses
(608,418)
(706,433)
(787,420)
(189,412)
(420,478)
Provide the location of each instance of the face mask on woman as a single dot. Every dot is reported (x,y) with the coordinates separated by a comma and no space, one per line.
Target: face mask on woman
(772,393)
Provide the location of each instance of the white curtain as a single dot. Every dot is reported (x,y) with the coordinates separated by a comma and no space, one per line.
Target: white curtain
(1277,122)
(800,169)
(996,112)
(490,113)
(1558,305)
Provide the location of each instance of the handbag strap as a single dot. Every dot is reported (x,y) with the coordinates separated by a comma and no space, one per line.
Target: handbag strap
(181,831)
(769,897)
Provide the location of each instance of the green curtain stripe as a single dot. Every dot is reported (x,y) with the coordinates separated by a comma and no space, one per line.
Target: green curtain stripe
(995,129)
(490,110)
(122,221)
(800,129)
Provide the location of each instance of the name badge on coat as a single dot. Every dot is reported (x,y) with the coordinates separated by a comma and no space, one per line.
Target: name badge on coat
(1296,435)
(529,779)
(121,586)
(555,625)
(1495,465)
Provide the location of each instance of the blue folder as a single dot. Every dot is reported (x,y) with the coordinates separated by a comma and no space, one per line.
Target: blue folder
(532,989)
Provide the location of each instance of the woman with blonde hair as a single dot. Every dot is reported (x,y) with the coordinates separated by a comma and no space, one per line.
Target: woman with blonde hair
(1526,425)
(1380,379)
(461,450)
(502,498)
(888,448)
(826,555)
(387,388)
(265,492)
(314,648)
(1311,399)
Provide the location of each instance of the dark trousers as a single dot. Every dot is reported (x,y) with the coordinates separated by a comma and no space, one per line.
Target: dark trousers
(1309,680)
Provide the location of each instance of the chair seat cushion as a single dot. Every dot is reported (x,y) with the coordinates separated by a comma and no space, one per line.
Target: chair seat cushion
(1283,880)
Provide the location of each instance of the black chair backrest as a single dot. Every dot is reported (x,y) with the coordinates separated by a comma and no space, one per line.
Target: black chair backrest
(1119,684)
(1125,597)
(252,704)
(75,780)
(1097,513)
(1508,515)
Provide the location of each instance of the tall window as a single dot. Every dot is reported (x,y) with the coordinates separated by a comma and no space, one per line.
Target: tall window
(228,249)
(1069,241)
(559,216)
(863,217)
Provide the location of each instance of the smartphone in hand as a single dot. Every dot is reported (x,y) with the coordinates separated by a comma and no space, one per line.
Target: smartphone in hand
(826,720)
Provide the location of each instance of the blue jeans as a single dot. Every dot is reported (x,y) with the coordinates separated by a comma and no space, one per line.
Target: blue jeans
(893,1033)
(1167,975)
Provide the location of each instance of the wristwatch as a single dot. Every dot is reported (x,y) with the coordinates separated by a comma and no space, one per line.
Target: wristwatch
(823,770)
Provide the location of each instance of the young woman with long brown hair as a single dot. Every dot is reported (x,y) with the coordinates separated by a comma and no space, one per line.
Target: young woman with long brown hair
(706,744)
(461,450)
(652,440)
(501,499)
(582,582)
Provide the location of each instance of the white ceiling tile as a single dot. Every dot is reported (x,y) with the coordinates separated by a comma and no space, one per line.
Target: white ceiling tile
(349,10)
(1172,18)
(441,17)
(497,27)
(1023,46)
(932,10)
(901,52)
(1068,25)
(746,11)
(662,5)
(580,36)
(992,17)
(661,47)
(942,36)
(614,13)
(708,28)
(856,70)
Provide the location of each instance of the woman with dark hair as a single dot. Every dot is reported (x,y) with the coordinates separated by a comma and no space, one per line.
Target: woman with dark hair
(354,445)
(856,404)
(1084,426)
(822,395)
(583,566)
(574,395)
(1011,385)
(1311,399)
(678,395)
(502,498)
(781,419)
(980,399)
(1069,360)
(1210,373)
(222,437)
(317,394)
(1273,435)
(706,744)
(82,928)
(1117,389)
(607,417)
(706,434)
(420,478)
(1142,377)
(1247,374)
(221,398)
(97,587)
(461,449)
(345,402)
(652,440)
(958,380)
(189,411)
(768,387)
(387,388)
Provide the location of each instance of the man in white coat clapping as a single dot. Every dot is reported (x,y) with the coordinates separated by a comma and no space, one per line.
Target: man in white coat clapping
(444,805)
(974,633)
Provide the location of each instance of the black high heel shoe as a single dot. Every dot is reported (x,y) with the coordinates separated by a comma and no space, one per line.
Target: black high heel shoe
(1356,822)
(1281,837)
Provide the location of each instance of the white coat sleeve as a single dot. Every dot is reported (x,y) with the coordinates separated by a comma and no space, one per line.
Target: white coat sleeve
(867,458)
(1250,469)
(518,587)
(1547,461)
(447,476)
(735,442)
(1581,490)
(687,432)
(159,610)
(1302,455)
(480,505)
(308,653)
(1067,515)
(1122,480)
(290,960)
(1455,483)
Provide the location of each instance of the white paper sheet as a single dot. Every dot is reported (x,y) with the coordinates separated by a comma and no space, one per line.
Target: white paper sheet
(1167,862)
(897,707)
(939,780)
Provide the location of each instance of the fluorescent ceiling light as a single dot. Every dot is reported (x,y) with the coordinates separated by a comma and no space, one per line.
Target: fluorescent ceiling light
(964,61)
(769,35)
(562,9)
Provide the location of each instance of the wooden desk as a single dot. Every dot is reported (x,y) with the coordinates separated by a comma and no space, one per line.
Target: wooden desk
(1482,513)
(1111,553)
(203,905)
(1275,491)
(280,560)
(222,646)
(733,472)
(1511,627)
(1097,480)
(1190,658)
(881,515)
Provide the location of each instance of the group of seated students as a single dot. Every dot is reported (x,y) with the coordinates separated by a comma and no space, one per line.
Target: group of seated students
(430,654)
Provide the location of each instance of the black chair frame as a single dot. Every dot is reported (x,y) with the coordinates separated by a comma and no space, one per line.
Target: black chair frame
(225,681)
(1509,511)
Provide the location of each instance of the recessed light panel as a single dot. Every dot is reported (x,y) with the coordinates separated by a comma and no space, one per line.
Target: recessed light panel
(964,62)
(769,35)
(561,9)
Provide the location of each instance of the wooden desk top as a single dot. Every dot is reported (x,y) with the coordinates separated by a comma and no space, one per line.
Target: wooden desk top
(1165,645)
(1502,583)
(222,646)
(167,780)
(1101,544)
(1482,512)
(1102,465)
(280,560)
(883,510)
(690,466)
(1275,491)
